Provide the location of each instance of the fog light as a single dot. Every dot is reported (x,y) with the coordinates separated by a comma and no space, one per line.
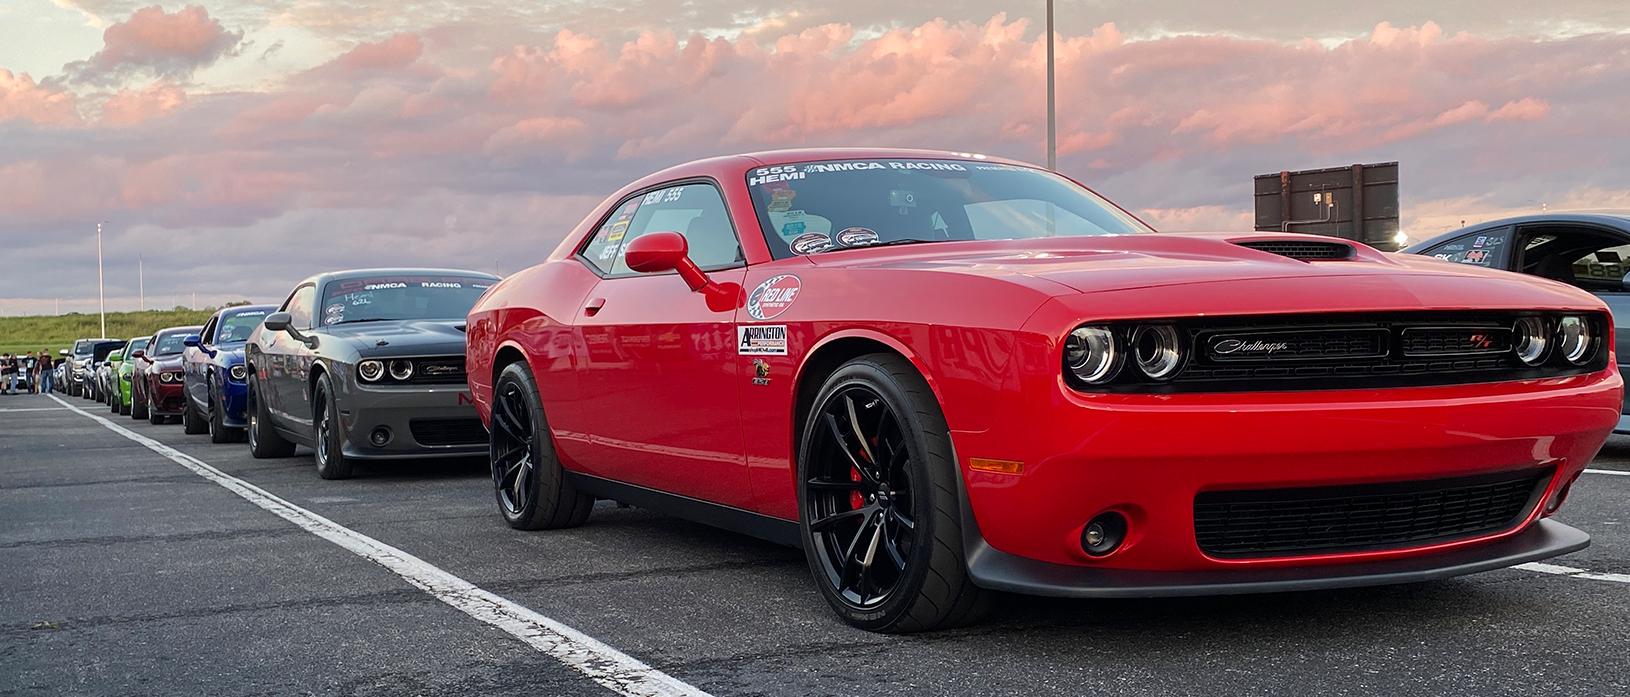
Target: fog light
(1562,495)
(380,436)
(1103,534)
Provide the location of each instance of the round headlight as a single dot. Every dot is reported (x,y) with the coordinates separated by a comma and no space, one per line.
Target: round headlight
(401,369)
(238,373)
(370,370)
(1573,339)
(1157,351)
(166,377)
(1529,336)
(1090,354)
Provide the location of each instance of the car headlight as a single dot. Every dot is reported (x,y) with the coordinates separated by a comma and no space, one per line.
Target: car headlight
(238,373)
(1574,340)
(1090,354)
(1157,350)
(401,369)
(370,370)
(1530,338)
(168,377)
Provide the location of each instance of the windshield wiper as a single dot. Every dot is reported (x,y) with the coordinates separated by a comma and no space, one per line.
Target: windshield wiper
(365,319)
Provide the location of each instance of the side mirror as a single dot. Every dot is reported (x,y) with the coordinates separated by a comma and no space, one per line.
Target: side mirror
(277,321)
(192,340)
(116,356)
(656,252)
(62,352)
(138,353)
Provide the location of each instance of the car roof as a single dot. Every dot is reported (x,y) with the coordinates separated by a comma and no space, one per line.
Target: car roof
(1616,219)
(174,330)
(345,274)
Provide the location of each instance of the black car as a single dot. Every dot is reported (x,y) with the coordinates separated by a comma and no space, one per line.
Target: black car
(366,364)
(1588,250)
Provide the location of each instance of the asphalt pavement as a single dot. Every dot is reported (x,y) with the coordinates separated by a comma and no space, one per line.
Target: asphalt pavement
(125,572)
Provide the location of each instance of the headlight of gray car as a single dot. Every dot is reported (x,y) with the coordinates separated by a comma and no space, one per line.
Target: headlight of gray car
(370,370)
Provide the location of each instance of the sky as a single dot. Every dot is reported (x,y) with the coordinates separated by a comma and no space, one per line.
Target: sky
(235,148)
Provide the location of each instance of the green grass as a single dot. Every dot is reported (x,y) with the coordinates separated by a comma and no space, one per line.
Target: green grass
(53,332)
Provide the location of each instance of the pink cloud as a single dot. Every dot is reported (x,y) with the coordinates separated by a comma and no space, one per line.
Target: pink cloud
(169,45)
(394,53)
(22,98)
(1525,109)
(130,107)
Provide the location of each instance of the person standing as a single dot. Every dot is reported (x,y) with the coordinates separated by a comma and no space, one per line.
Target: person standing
(42,384)
(8,369)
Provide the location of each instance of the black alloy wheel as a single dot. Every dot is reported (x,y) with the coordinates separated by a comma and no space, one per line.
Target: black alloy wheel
(264,441)
(330,435)
(219,432)
(138,401)
(533,491)
(879,515)
(191,423)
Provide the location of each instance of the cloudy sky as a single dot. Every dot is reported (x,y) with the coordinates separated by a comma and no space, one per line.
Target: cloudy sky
(240,146)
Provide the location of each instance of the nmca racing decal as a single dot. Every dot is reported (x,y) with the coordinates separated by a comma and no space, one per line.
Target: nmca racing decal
(773,297)
(761,340)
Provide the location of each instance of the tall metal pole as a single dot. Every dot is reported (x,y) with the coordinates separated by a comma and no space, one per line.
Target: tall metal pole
(1052,118)
(141,282)
(101,296)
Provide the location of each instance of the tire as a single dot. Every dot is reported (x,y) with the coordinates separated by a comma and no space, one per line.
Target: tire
(124,405)
(219,432)
(327,432)
(533,491)
(264,440)
(879,512)
(113,402)
(191,423)
(138,402)
(153,417)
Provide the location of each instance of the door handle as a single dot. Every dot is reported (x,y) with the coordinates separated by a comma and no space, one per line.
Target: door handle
(594,306)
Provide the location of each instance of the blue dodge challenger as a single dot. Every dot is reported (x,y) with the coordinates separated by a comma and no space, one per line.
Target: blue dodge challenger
(216,390)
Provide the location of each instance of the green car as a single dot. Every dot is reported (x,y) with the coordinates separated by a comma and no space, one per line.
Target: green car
(122,369)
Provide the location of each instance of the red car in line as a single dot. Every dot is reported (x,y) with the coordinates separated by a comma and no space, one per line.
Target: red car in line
(156,382)
(943,374)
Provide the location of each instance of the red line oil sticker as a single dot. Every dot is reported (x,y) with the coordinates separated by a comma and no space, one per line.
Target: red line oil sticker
(761,340)
(773,297)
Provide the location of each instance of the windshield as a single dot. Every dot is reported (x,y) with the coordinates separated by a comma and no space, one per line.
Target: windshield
(169,344)
(814,207)
(136,345)
(102,349)
(235,327)
(83,347)
(402,297)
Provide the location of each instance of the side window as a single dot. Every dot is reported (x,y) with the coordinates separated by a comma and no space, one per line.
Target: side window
(696,211)
(299,307)
(1603,270)
(207,336)
(1487,248)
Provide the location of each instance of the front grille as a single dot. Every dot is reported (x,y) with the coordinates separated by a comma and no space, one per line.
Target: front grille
(439,371)
(1317,344)
(448,431)
(1455,341)
(1321,520)
(1303,249)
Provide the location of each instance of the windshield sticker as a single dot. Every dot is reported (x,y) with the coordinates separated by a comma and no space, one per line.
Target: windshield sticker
(761,340)
(781,199)
(792,229)
(856,237)
(771,175)
(810,243)
(334,313)
(653,197)
(1480,241)
(773,297)
(857,166)
(1476,256)
(617,231)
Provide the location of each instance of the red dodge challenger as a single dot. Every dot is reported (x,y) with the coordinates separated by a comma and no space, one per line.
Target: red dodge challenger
(943,374)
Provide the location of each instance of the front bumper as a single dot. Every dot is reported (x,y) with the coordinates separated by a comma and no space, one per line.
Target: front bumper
(167,398)
(996,570)
(235,404)
(1149,456)
(444,416)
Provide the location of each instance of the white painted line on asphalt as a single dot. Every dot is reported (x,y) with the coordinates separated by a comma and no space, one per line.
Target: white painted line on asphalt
(1617,472)
(607,666)
(1576,573)
(8,411)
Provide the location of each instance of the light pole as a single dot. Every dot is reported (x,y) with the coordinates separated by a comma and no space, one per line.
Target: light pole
(141,283)
(101,295)
(1052,119)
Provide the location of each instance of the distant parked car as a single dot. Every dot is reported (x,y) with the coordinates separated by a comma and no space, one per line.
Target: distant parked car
(82,361)
(122,373)
(1585,250)
(384,348)
(214,378)
(157,377)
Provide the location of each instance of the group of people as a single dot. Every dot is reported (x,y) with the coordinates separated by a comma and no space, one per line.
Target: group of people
(24,372)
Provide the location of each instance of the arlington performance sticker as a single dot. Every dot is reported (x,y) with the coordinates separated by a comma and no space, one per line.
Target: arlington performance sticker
(761,340)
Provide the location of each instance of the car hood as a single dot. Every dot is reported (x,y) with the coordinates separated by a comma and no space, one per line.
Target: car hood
(170,362)
(1124,262)
(418,337)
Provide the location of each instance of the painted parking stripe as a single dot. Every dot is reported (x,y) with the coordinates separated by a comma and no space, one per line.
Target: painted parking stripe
(1621,473)
(605,665)
(1576,573)
(9,411)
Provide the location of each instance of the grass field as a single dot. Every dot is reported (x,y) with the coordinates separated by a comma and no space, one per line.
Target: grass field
(53,332)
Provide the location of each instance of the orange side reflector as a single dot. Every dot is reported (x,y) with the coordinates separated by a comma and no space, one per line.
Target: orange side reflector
(1003,466)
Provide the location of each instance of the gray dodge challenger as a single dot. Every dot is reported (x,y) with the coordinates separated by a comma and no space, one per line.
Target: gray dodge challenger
(366,364)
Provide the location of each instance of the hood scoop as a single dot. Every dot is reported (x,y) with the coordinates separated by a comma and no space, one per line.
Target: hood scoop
(1304,250)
